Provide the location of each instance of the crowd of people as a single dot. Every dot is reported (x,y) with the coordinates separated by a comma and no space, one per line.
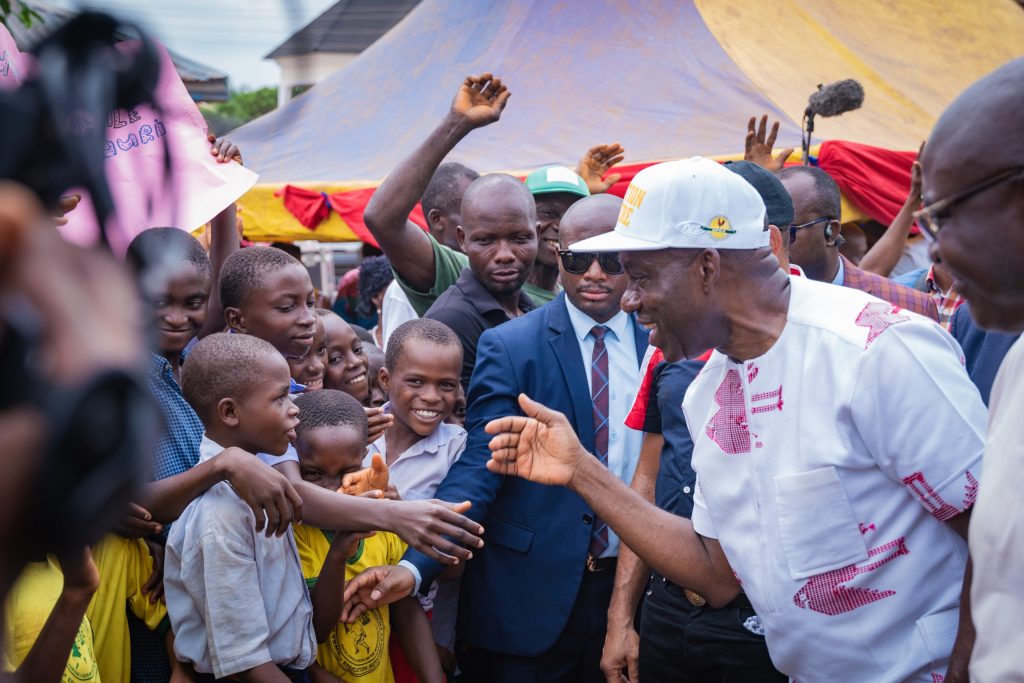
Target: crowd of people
(682,435)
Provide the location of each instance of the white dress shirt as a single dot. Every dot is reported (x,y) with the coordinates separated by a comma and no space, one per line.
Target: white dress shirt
(623,381)
(395,309)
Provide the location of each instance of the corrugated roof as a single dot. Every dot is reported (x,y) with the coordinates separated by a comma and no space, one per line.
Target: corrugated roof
(347,26)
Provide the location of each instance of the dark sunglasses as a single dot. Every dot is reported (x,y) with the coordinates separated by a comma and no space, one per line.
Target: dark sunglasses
(578,262)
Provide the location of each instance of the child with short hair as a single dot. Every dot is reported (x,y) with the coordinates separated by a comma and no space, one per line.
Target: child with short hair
(346,358)
(331,440)
(236,598)
(308,371)
(421,375)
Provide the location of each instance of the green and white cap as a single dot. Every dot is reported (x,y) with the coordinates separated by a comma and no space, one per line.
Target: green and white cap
(688,204)
(551,179)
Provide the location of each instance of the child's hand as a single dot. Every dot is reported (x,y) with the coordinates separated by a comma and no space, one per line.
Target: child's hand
(137,522)
(373,478)
(347,542)
(224,150)
(375,587)
(274,501)
(377,423)
(80,573)
(66,205)
(154,586)
(391,493)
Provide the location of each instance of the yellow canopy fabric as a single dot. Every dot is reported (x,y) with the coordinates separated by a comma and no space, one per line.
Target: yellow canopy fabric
(913,57)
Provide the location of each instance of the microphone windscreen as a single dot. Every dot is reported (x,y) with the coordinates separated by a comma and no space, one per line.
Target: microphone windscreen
(836,98)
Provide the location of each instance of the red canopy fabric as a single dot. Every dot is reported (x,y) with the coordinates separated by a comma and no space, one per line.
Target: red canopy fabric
(876,180)
(350,206)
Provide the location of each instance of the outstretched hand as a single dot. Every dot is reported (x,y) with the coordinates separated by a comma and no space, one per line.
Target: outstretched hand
(596,162)
(914,194)
(372,478)
(758,146)
(481,99)
(541,447)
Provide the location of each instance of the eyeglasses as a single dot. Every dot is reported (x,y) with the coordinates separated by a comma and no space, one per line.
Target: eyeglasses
(793,227)
(578,262)
(928,216)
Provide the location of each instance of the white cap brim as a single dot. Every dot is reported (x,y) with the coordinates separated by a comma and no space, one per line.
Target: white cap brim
(616,241)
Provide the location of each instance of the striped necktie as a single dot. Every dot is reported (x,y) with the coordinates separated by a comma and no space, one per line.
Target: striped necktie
(599,397)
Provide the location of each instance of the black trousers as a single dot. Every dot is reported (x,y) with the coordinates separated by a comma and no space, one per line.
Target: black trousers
(680,643)
(574,658)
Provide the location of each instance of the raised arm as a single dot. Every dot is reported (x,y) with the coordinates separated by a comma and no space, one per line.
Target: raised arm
(478,102)
(543,448)
(223,238)
(884,254)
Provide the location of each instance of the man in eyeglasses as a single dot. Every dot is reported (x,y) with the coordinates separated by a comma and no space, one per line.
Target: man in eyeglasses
(814,241)
(534,600)
(974,210)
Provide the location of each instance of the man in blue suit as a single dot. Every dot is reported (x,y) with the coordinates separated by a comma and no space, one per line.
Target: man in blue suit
(534,599)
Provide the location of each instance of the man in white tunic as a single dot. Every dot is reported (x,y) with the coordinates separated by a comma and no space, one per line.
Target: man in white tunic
(837,442)
(974,205)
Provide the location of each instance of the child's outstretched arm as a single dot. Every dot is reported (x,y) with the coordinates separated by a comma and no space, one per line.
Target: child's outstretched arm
(48,657)
(410,625)
(328,595)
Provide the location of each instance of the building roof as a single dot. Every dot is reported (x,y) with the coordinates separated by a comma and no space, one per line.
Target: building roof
(204,83)
(347,26)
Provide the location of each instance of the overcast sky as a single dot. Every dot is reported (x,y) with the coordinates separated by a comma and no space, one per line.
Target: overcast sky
(231,36)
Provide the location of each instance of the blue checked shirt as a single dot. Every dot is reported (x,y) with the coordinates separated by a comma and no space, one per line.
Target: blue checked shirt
(177,449)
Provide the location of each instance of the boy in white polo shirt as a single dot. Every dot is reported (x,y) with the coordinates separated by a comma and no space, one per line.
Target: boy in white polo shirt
(837,442)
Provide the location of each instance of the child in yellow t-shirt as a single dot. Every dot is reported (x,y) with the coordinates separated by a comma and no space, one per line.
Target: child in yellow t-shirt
(102,648)
(331,441)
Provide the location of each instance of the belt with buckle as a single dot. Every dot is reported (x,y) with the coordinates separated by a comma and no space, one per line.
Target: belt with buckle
(695,599)
(600,564)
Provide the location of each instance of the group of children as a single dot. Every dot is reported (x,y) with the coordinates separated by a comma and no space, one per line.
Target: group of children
(248,595)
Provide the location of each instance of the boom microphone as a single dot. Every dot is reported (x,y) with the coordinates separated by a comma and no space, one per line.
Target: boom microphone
(835,99)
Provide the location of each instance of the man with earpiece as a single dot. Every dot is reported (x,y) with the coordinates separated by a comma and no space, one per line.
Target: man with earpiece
(814,241)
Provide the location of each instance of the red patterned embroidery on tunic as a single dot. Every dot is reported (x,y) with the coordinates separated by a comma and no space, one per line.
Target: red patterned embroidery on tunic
(728,426)
(827,593)
(878,317)
(933,502)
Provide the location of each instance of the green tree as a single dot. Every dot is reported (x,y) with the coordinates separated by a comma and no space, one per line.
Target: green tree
(241,107)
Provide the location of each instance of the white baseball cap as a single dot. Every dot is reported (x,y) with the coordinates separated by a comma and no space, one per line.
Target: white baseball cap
(687,204)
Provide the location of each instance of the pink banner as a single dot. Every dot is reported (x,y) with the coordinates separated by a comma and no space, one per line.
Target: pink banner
(12,62)
(197,189)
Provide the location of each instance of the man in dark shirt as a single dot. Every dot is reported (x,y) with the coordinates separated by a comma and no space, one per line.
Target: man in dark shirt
(983,349)
(499,237)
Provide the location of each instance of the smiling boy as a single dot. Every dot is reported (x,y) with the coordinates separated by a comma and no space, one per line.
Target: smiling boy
(238,386)
(331,441)
(309,370)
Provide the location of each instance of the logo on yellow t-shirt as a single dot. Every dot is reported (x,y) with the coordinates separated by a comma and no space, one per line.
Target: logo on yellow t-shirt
(363,644)
(81,664)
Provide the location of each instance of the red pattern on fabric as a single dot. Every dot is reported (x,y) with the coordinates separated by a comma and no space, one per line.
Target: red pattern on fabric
(933,502)
(638,413)
(878,317)
(937,678)
(728,426)
(775,398)
(827,593)
(876,180)
(309,207)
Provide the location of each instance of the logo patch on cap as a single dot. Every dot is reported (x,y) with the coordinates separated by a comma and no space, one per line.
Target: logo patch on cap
(560,174)
(720,228)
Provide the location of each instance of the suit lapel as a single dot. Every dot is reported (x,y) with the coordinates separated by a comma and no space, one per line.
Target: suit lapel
(566,349)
